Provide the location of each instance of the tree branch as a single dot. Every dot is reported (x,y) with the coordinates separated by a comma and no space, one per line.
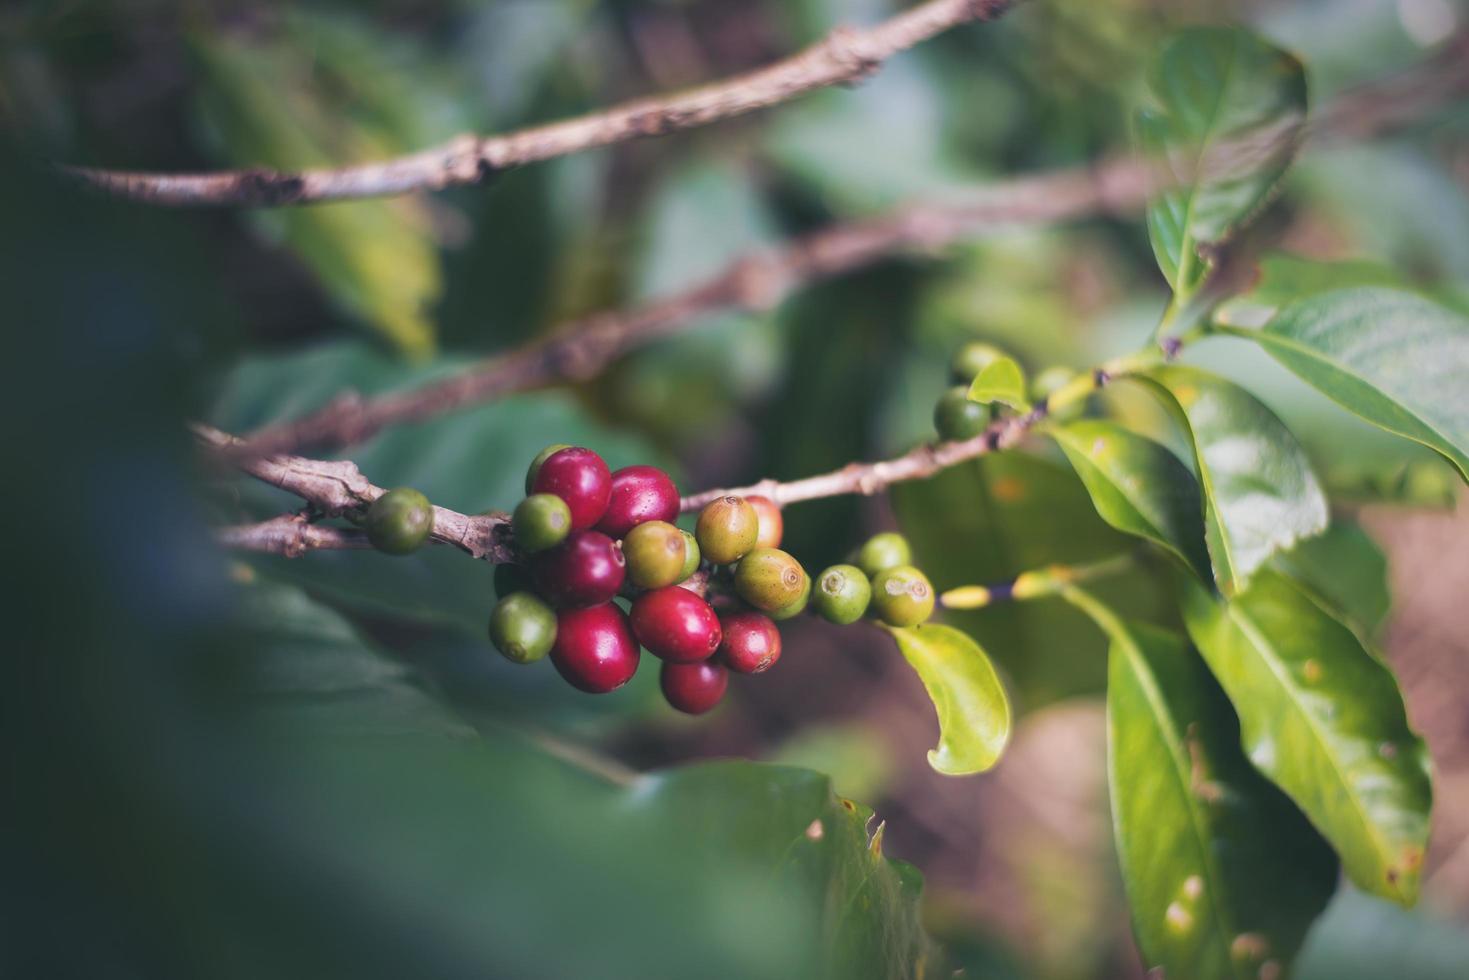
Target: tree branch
(845,55)
(291,535)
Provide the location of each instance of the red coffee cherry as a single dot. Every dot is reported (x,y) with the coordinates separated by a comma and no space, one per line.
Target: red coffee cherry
(579,477)
(676,624)
(584,570)
(639,494)
(693,688)
(595,650)
(772,524)
(751,642)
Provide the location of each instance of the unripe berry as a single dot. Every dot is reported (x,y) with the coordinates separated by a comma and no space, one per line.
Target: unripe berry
(656,555)
(1049,381)
(772,522)
(399,521)
(535,464)
(676,625)
(639,494)
(693,688)
(796,607)
(579,477)
(770,580)
(691,556)
(541,521)
(728,528)
(971,359)
(883,551)
(595,649)
(751,642)
(841,594)
(584,570)
(956,417)
(902,596)
(522,628)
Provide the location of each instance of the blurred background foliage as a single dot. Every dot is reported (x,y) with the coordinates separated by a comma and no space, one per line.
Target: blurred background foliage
(227,767)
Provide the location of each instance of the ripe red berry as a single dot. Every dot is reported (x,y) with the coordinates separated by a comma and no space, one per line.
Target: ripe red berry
(595,649)
(579,477)
(693,688)
(676,624)
(751,642)
(639,494)
(772,524)
(584,570)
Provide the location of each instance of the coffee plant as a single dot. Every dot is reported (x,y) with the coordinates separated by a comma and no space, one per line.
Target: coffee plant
(1258,749)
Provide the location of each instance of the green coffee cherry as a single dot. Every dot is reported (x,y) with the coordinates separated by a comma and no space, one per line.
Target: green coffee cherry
(771,580)
(796,607)
(902,596)
(841,594)
(883,551)
(691,556)
(1049,381)
(727,530)
(956,417)
(522,628)
(399,521)
(541,521)
(656,554)
(971,359)
(541,457)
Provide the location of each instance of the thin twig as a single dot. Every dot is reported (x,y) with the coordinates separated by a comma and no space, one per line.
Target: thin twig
(759,281)
(291,535)
(844,56)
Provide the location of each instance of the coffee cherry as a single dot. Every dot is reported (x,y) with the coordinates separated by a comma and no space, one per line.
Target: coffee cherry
(971,359)
(902,596)
(535,464)
(541,521)
(727,529)
(656,555)
(399,521)
(579,477)
(883,551)
(772,523)
(751,642)
(639,494)
(693,688)
(595,649)
(956,417)
(841,594)
(1049,381)
(691,556)
(770,580)
(676,625)
(522,628)
(584,570)
(796,607)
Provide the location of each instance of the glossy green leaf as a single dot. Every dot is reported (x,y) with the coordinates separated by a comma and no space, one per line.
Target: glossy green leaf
(1139,486)
(1396,358)
(1224,116)
(1321,715)
(1003,381)
(1223,874)
(974,714)
(1260,494)
(1345,567)
(1282,279)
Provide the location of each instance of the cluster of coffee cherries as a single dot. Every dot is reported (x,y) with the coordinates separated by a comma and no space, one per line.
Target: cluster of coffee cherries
(955,417)
(705,603)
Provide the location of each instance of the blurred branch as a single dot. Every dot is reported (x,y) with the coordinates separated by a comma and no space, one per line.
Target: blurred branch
(291,535)
(845,55)
(759,281)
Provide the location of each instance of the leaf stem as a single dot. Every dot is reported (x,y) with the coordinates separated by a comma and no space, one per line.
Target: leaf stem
(1034,584)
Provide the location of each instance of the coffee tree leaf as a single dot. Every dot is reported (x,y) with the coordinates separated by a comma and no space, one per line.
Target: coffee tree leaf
(1003,381)
(974,714)
(1282,279)
(1345,567)
(1322,716)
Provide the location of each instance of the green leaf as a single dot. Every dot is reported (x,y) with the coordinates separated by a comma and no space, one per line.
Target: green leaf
(1139,486)
(1260,495)
(974,714)
(1223,874)
(1393,357)
(1283,279)
(1003,381)
(1224,117)
(1348,569)
(1322,717)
